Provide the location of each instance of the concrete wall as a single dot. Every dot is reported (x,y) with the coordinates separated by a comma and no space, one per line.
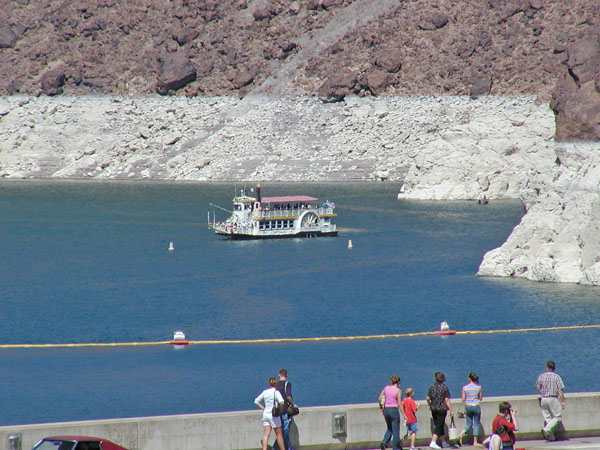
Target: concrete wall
(312,428)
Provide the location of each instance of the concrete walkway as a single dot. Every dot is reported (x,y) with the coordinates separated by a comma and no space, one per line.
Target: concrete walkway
(590,443)
(573,443)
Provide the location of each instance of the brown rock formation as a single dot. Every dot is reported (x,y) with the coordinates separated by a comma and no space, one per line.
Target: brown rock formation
(52,81)
(576,99)
(8,38)
(425,48)
(176,71)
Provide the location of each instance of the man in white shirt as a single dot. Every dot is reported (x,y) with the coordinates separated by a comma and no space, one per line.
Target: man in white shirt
(550,386)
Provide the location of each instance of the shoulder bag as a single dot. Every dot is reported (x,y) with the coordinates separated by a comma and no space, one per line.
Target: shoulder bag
(292,410)
(276,411)
(452,431)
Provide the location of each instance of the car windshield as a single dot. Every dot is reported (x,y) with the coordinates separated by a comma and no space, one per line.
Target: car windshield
(55,444)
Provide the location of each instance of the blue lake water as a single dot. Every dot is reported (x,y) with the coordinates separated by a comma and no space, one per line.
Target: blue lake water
(88,262)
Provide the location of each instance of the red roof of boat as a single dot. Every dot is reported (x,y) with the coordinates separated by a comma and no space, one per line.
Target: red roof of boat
(289,199)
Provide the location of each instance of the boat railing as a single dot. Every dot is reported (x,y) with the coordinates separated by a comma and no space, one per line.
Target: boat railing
(293,212)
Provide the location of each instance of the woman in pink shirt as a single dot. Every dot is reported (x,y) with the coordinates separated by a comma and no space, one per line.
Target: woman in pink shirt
(390,404)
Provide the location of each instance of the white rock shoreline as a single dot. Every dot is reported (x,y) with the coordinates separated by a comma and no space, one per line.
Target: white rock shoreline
(440,147)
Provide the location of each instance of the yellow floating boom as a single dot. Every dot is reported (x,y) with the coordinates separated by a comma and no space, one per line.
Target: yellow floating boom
(290,340)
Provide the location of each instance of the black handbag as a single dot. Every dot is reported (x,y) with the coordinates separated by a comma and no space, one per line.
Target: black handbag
(276,411)
(293,410)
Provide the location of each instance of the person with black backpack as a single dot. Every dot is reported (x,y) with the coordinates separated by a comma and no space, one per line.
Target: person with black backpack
(285,388)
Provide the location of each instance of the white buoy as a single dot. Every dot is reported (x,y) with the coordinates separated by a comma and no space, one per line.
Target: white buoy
(171,246)
(179,336)
(350,243)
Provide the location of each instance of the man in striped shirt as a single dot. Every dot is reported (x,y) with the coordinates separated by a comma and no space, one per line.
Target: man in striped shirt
(550,386)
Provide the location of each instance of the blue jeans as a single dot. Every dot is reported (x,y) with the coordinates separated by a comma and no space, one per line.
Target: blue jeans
(392,420)
(473,415)
(285,430)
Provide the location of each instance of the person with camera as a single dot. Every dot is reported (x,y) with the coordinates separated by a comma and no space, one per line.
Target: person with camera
(508,417)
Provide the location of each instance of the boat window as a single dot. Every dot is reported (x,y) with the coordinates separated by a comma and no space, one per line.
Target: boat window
(237,207)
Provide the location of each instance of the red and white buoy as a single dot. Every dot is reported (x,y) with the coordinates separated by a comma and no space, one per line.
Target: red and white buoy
(179,338)
(445,330)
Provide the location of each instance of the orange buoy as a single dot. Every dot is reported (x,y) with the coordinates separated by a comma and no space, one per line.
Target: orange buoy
(445,332)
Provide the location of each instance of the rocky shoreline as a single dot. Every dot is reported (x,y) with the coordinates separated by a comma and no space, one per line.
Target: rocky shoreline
(557,239)
(443,147)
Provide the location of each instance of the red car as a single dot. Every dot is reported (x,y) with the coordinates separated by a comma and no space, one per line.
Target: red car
(76,443)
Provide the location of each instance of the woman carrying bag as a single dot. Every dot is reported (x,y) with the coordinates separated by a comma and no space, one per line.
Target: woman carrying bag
(272,409)
(438,399)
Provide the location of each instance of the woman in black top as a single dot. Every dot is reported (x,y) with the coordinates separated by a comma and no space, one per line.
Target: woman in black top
(438,399)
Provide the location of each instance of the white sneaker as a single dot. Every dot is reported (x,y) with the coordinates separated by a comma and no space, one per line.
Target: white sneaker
(432,444)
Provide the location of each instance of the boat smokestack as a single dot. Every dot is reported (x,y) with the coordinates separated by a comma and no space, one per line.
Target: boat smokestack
(258,193)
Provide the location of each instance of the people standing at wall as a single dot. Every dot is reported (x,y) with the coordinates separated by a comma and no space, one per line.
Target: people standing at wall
(270,397)
(285,389)
(438,399)
(508,417)
(390,403)
(550,386)
(471,397)
(410,412)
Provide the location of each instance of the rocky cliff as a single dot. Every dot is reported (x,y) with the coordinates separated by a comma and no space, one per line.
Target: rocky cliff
(305,47)
(279,138)
(557,240)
